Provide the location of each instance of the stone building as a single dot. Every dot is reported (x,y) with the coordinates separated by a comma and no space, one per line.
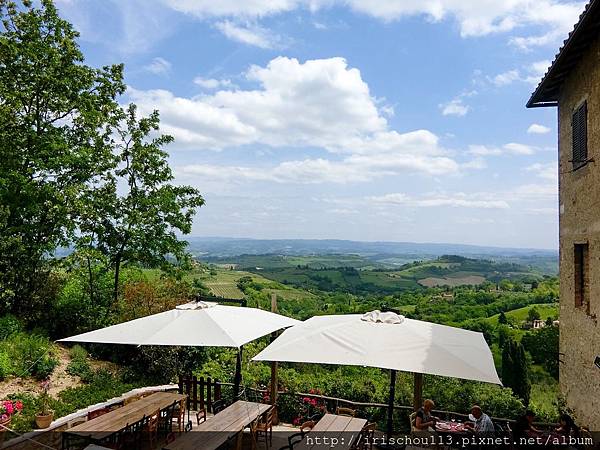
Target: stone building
(572,83)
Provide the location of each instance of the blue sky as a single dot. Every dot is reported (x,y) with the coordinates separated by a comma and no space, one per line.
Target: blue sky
(398,120)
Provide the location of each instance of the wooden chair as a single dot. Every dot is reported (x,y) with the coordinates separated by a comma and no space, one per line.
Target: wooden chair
(201,414)
(299,437)
(218,406)
(585,434)
(413,425)
(151,428)
(367,436)
(97,413)
(253,435)
(265,427)
(179,415)
(349,412)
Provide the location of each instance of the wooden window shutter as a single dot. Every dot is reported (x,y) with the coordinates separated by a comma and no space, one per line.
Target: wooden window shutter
(579,126)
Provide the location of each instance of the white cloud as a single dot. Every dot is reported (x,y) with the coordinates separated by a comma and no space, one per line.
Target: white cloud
(250,34)
(159,66)
(475,17)
(454,107)
(319,103)
(546,171)
(212,83)
(519,149)
(536,71)
(456,200)
(510,148)
(505,78)
(536,128)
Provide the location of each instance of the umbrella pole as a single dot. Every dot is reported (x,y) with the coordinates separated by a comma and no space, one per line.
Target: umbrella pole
(390,413)
(418,391)
(237,380)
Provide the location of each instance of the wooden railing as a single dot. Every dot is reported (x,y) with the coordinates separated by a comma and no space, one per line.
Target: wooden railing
(201,392)
(332,403)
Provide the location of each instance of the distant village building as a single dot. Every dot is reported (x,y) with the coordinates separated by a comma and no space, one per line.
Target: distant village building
(573,85)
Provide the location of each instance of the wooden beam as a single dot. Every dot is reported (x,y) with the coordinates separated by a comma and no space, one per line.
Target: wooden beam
(418,391)
(274,381)
(391,398)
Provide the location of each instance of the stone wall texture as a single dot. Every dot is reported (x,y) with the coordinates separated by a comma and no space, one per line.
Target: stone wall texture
(579,211)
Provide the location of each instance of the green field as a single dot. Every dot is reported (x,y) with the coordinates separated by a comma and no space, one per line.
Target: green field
(520,315)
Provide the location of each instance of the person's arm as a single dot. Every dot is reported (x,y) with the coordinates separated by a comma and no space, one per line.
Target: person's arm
(421,425)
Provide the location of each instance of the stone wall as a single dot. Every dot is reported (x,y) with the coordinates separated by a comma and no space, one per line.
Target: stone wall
(579,210)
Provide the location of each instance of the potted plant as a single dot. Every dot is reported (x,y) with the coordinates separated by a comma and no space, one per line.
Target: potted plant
(44,418)
(8,408)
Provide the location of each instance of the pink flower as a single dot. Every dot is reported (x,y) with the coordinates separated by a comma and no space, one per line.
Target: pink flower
(9,408)
(19,405)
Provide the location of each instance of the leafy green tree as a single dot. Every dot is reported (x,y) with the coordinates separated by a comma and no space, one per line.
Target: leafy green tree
(515,370)
(502,320)
(542,344)
(533,314)
(134,212)
(55,113)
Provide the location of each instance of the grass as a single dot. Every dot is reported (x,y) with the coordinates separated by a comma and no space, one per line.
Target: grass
(520,315)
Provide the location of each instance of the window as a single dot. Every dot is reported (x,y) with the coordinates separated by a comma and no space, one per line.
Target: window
(579,125)
(582,299)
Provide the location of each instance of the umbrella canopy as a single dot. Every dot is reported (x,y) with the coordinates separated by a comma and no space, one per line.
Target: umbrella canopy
(386,341)
(196,324)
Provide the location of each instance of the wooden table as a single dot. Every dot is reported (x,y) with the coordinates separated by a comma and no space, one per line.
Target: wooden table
(102,427)
(217,430)
(341,429)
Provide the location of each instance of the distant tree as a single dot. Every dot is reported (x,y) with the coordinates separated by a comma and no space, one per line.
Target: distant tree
(533,314)
(549,321)
(503,335)
(133,214)
(515,370)
(55,115)
(542,344)
(502,320)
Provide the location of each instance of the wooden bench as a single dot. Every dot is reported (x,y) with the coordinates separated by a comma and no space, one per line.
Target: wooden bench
(219,429)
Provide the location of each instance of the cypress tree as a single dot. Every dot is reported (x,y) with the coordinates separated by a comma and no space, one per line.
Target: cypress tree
(515,370)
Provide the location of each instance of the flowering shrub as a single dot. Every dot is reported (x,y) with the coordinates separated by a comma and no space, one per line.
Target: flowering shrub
(310,407)
(8,408)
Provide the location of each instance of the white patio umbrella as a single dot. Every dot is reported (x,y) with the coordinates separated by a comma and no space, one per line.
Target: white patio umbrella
(387,341)
(195,324)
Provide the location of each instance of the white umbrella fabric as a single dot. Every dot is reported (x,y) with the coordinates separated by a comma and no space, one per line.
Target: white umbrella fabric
(195,324)
(386,341)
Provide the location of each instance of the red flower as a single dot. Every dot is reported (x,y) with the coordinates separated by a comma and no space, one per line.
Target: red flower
(19,405)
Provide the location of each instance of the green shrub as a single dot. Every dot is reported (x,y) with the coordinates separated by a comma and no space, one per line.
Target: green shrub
(44,367)
(6,368)
(31,355)
(79,364)
(9,325)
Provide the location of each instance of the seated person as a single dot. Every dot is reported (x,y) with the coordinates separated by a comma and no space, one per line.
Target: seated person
(424,420)
(482,424)
(567,426)
(524,428)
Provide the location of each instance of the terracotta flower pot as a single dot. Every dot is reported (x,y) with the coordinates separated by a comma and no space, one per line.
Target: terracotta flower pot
(4,423)
(44,420)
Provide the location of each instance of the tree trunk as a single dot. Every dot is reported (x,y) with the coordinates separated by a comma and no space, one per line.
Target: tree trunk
(91,280)
(116,285)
